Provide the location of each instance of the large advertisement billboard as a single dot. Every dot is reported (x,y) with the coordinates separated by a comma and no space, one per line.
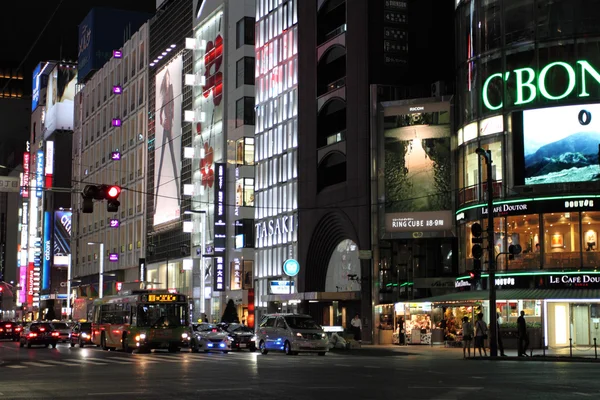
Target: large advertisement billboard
(62,237)
(59,99)
(47,259)
(417,162)
(167,143)
(561,144)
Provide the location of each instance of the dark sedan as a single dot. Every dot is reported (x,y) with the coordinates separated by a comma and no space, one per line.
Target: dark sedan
(10,330)
(81,334)
(39,334)
(243,337)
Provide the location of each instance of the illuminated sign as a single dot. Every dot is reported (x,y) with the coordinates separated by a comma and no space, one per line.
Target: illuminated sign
(220,239)
(37,270)
(117,54)
(116,122)
(117,89)
(219,275)
(528,84)
(570,280)
(281,287)
(25,188)
(277,226)
(115,156)
(49,157)
(142,267)
(46,262)
(62,237)
(114,223)
(163,298)
(112,257)
(505,281)
(418,221)
(39,176)
(291,267)
(236,274)
(35,94)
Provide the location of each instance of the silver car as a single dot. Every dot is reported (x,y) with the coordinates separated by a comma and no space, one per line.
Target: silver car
(63,330)
(291,333)
(209,337)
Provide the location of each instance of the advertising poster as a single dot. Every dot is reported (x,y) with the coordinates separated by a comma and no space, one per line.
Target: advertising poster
(47,257)
(62,237)
(167,143)
(208,139)
(23,284)
(561,144)
(59,99)
(418,171)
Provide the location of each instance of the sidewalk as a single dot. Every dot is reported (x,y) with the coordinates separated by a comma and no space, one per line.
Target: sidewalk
(439,351)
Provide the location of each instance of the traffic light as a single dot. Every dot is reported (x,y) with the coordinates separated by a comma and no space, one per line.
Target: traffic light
(476,251)
(513,250)
(110,193)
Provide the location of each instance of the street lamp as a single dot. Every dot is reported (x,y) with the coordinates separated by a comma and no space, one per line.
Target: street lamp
(487,156)
(101,271)
(202,247)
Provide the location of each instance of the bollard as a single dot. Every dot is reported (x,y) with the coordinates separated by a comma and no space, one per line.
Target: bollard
(595,349)
(571,347)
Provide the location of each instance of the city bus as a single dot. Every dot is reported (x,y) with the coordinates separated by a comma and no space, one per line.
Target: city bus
(142,320)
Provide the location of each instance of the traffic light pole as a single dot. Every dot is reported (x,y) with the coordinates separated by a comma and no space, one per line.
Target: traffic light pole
(487,155)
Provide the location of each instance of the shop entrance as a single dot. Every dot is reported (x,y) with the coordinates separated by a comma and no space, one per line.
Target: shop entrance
(581,324)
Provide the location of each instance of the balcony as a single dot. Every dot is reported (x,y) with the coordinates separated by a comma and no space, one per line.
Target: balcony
(331,70)
(331,20)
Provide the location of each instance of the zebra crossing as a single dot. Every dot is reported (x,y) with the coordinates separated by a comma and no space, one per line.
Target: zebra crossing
(152,358)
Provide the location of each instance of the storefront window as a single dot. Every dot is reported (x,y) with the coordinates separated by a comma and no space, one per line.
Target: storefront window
(466,256)
(491,35)
(500,242)
(495,145)
(524,230)
(590,225)
(244,192)
(562,241)
(245,151)
(472,173)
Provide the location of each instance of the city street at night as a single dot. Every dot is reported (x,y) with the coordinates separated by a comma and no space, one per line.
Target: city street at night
(65,373)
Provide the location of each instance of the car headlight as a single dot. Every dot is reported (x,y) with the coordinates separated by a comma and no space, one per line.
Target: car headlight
(253,338)
(230,338)
(141,336)
(323,335)
(184,335)
(299,334)
(84,335)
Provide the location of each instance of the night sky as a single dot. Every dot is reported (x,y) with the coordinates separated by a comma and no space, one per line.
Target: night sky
(23,21)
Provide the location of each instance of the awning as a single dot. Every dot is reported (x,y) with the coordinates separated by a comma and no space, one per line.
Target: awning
(515,294)
(313,296)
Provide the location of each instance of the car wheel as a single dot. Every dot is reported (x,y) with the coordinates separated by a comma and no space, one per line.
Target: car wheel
(53,345)
(21,344)
(28,344)
(263,348)
(322,353)
(194,346)
(126,347)
(103,341)
(173,349)
(252,349)
(225,351)
(46,345)
(72,344)
(287,348)
(81,343)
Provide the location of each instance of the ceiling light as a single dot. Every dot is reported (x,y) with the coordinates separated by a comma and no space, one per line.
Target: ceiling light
(164,53)
(169,49)
(173,45)
(152,64)
(160,57)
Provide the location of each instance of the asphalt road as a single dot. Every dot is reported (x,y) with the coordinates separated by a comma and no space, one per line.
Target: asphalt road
(74,373)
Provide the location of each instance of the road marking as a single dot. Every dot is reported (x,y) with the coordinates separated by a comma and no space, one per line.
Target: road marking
(15,366)
(342,365)
(84,361)
(224,389)
(113,393)
(583,394)
(110,360)
(447,387)
(371,366)
(35,364)
(62,362)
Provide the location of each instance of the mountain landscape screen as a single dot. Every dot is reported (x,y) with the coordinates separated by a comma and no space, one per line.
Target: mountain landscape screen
(561,144)
(417,162)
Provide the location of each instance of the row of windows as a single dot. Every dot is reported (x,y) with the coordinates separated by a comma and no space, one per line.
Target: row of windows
(276,200)
(269,262)
(277,140)
(277,170)
(277,21)
(244,69)
(244,111)
(273,53)
(277,110)
(280,79)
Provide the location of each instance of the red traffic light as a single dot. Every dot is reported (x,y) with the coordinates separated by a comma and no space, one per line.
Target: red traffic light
(472,274)
(113,192)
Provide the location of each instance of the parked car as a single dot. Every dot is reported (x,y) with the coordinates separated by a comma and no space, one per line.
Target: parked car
(10,330)
(241,335)
(292,333)
(209,337)
(39,333)
(63,329)
(81,334)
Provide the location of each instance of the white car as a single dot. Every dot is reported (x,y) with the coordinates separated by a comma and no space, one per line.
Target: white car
(63,330)
(209,337)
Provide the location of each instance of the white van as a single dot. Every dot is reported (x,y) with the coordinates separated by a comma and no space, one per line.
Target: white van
(291,333)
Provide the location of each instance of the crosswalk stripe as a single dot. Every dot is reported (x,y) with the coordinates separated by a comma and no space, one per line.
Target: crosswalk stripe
(84,361)
(109,360)
(35,364)
(61,362)
(16,366)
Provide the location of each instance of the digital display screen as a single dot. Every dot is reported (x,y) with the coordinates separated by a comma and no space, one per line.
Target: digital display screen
(164,298)
(561,144)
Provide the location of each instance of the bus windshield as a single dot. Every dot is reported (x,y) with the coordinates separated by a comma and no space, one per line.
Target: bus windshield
(162,315)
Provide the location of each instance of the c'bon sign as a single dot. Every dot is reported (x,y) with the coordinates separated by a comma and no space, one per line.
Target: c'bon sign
(528,84)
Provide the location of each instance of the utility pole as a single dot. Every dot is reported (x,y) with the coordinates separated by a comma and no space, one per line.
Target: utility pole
(487,156)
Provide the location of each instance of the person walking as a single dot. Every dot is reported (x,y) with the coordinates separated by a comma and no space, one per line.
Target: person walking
(467,332)
(499,336)
(522,334)
(480,335)
(356,328)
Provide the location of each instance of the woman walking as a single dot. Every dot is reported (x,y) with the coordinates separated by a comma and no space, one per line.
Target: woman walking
(480,335)
(467,331)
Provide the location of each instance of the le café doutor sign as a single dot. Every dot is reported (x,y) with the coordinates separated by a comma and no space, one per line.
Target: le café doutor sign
(528,84)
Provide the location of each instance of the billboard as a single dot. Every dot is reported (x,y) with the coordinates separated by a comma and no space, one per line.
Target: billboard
(59,99)
(39,174)
(561,144)
(220,215)
(39,82)
(62,237)
(47,260)
(167,143)
(25,188)
(417,162)
(102,31)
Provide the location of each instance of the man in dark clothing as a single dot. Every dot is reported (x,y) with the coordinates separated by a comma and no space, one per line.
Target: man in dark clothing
(523,337)
(499,336)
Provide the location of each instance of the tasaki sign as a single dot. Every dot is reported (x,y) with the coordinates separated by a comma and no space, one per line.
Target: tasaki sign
(581,78)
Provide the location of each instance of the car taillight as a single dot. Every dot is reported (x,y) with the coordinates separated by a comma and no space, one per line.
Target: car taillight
(17,329)
(8,325)
(32,335)
(42,329)
(1,330)
(55,334)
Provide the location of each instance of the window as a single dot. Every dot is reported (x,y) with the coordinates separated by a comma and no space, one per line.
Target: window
(523,230)
(245,32)
(244,192)
(245,72)
(562,241)
(245,151)
(244,111)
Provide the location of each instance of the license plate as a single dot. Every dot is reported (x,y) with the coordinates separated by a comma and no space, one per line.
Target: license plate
(9,330)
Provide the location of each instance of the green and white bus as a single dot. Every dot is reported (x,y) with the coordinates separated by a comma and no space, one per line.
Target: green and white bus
(142,320)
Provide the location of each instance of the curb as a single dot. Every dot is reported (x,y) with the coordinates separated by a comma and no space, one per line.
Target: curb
(538,359)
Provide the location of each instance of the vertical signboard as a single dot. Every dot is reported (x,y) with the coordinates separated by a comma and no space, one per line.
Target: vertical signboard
(30,279)
(37,270)
(47,260)
(219,275)
(236,274)
(39,173)
(25,185)
(49,171)
(60,97)
(62,237)
(220,214)
(142,266)
(35,89)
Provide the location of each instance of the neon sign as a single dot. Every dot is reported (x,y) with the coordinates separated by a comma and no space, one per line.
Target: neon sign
(529,84)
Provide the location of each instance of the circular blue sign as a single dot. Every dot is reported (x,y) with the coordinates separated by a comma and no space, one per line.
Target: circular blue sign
(291,267)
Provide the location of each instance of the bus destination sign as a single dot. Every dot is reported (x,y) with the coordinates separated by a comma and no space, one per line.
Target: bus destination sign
(163,298)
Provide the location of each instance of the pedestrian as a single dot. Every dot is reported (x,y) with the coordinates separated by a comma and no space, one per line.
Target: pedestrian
(356,328)
(480,334)
(499,336)
(522,334)
(467,332)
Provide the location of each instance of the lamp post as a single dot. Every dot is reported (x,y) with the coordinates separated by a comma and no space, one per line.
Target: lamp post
(203,246)
(101,271)
(487,156)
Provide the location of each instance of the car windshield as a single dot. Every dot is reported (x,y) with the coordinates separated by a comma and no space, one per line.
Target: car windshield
(40,327)
(162,315)
(206,328)
(60,325)
(85,327)
(301,323)
(239,329)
